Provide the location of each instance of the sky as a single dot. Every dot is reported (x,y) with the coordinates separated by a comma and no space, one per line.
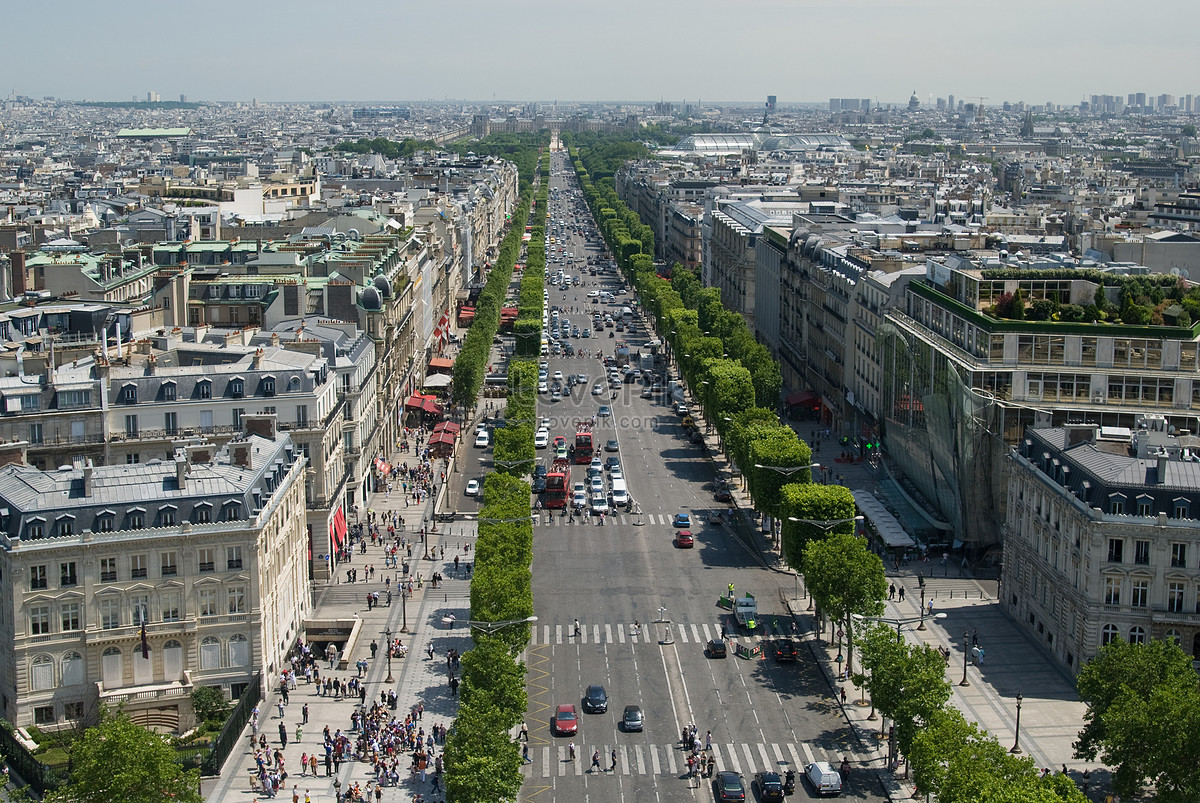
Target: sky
(1060,51)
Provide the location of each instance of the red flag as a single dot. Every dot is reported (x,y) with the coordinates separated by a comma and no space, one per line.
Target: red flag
(145,643)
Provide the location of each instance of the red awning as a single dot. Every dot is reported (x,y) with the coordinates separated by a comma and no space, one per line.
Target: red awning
(441,362)
(447,426)
(801,397)
(441,438)
(383,466)
(338,528)
(430,406)
(414,400)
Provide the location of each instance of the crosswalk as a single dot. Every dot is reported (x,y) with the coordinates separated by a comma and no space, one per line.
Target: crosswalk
(554,760)
(656,632)
(555,520)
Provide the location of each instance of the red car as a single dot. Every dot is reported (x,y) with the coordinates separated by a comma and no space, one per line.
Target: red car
(566,720)
(684,539)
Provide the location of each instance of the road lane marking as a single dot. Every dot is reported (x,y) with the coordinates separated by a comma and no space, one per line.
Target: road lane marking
(595,634)
(624,760)
(641,759)
(734,764)
(808,753)
(779,759)
(683,633)
(749,756)
(795,756)
(558,634)
(562,761)
(696,634)
(620,634)
(654,765)
(608,636)
(762,751)
(716,749)
(546,761)
(671,761)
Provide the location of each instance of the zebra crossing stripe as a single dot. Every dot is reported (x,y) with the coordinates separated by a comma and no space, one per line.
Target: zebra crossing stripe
(734,764)
(624,759)
(641,759)
(558,634)
(720,765)
(749,755)
(808,754)
(696,633)
(795,756)
(779,760)
(654,765)
(671,761)
(546,761)
(762,751)
(595,634)
(632,759)
(545,634)
(683,633)
(621,634)
(562,761)
(707,634)
(608,639)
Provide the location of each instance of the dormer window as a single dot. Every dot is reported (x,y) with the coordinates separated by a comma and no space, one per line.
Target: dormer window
(129,394)
(168,391)
(268,386)
(237,387)
(204,389)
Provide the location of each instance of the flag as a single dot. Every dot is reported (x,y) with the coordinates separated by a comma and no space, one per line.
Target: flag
(145,643)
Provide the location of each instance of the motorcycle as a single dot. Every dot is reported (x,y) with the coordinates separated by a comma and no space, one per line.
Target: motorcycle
(789,782)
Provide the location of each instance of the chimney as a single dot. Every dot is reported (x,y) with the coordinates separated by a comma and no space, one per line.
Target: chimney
(1162,469)
(87,478)
(18,273)
(258,355)
(118,266)
(261,425)
(239,454)
(181,470)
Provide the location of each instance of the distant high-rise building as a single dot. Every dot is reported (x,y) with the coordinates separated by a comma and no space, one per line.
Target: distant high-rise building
(864,105)
(1187,104)
(1139,99)
(771,102)
(1131,99)
(182,98)
(950,102)
(835,104)
(941,104)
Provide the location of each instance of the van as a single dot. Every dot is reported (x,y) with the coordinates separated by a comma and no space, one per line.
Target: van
(824,778)
(620,493)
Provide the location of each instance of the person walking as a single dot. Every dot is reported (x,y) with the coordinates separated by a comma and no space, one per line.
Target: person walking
(525,753)
(524,735)
(613,768)
(283,734)
(595,762)
(304,714)
(900,593)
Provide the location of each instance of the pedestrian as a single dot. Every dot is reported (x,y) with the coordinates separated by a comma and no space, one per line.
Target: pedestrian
(975,637)
(279,705)
(595,762)
(283,734)
(981,655)
(577,632)
(299,732)
(374,647)
(614,761)
(843,695)
(524,732)
(930,607)
(429,650)
(525,753)
(571,750)
(304,714)
(892,591)
(900,593)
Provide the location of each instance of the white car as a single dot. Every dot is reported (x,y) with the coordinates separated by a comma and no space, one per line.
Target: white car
(597,389)
(579,488)
(541,439)
(482,440)
(558,377)
(599,503)
(556,395)
(579,501)
(594,294)
(472,487)
(543,387)
(597,486)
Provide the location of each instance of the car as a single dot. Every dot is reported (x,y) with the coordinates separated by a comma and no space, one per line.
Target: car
(472,488)
(599,504)
(596,485)
(681,408)
(561,452)
(595,699)
(647,393)
(566,720)
(482,440)
(539,485)
(559,440)
(633,719)
(541,439)
(683,520)
(542,387)
(615,473)
(579,500)
(785,650)
(586,333)
(723,495)
(556,395)
(614,382)
(770,785)
(613,461)
(558,377)
(539,470)
(579,488)
(597,389)
(716,648)
(594,472)
(684,539)
(824,778)
(728,786)
(605,411)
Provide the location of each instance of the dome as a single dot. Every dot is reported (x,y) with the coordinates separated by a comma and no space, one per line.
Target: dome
(369,299)
(383,286)
(797,238)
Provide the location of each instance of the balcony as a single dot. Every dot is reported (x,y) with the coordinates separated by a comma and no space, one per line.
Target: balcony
(142,694)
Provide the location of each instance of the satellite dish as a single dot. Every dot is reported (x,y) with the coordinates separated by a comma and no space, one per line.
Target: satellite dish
(1175,271)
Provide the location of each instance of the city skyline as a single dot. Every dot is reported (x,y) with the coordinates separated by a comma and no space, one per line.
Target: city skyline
(534,51)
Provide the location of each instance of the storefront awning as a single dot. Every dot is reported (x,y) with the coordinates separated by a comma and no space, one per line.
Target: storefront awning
(882,521)
(801,397)
(443,363)
(438,381)
(338,528)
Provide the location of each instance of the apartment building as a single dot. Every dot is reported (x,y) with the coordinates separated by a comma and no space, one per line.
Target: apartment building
(1101,538)
(131,587)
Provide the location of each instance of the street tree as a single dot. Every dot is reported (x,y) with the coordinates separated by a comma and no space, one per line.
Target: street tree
(831,506)
(490,672)
(787,460)
(845,578)
(120,761)
(481,762)
(907,682)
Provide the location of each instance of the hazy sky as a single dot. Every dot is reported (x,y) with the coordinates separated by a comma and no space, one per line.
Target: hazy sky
(800,50)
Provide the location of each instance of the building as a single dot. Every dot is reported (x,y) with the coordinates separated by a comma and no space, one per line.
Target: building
(1101,538)
(133,586)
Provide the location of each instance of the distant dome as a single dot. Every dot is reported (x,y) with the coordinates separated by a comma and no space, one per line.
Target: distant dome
(369,299)
(383,286)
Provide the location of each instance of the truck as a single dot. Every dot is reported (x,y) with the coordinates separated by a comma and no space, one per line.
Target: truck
(745,610)
(676,390)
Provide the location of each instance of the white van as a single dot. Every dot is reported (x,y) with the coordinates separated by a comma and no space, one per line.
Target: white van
(620,493)
(824,778)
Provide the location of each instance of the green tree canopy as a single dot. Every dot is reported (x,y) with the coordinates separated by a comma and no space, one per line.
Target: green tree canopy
(120,761)
(489,671)
(812,503)
(845,578)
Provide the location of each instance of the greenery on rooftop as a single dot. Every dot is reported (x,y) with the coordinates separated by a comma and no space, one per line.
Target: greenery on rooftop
(1143,300)
(387,148)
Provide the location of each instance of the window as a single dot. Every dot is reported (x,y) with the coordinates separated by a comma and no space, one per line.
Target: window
(237,388)
(1112,591)
(78,431)
(66,525)
(202,514)
(1116,550)
(74,711)
(168,392)
(206,556)
(34,531)
(1181,509)
(137,520)
(233,557)
(131,426)
(72,672)
(169,563)
(1108,634)
(204,389)
(35,433)
(37,577)
(39,620)
(166,517)
(1179,555)
(110,613)
(1141,594)
(67,574)
(1137,635)
(302,415)
(170,607)
(108,570)
(1145,506)
(239,650)
(71,616)
(1141,553)
(137,567)
(133,458)
(210,653)
(1174,636)
(237,599)
(208,602)
(139,608)
(1116,506)
(43,715)
(268,386)
(1175,597)
(170,423)
(129,394)
(238,412)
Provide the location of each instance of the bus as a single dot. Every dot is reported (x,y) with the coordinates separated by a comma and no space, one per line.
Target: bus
(558,481)
(583,443)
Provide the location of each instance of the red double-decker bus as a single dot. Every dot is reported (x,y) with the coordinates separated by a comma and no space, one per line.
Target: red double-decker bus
(583,443)
(558,481)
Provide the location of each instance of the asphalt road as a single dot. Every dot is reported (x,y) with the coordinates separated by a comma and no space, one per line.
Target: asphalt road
(762,714)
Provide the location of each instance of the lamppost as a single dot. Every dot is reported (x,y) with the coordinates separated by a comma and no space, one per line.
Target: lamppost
(966,656)
(1016,748)
(387,634)
(921,583)
(491,628)
(403,608)
(907,620)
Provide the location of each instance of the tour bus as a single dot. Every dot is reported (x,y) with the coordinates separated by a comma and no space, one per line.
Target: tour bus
(627,314)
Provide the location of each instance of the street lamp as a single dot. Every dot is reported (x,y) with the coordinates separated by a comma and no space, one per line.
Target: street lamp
(403,609)
(491,628)
(907,620)
(1016,748)
(511,463)
(966,654)
(387,634)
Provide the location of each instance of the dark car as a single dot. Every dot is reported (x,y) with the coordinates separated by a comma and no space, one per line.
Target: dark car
(770,785)
(785,650)
(633,719)
(566,721)
(612,462)
(716,648)
(595,699)
(728,786)
(539,485)
(722,495)
(539,470)
(611,445)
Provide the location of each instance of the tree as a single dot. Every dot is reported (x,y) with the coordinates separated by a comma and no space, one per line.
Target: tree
(907,683)
(491,672)
(844,577)
(209,703)
(118,760)
(1143,717)
(781,450)
(481,761)
(819,503)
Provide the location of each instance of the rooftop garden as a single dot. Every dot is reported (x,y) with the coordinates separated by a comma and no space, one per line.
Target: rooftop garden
(1153,300)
